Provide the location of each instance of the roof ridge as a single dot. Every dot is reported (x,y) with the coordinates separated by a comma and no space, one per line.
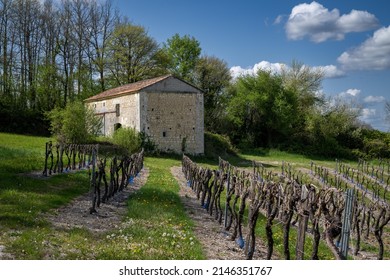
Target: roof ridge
(128,88)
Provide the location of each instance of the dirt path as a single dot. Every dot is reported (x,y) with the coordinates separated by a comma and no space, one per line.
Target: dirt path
(76,214)
(215,241)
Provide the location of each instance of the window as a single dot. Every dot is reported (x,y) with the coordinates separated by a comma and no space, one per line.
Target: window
(164,134)
(104,104)
(117,126)
(117,110)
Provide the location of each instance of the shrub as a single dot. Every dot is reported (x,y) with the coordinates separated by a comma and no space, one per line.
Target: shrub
(74,124)
(217,145)
(127,138)
(147,143)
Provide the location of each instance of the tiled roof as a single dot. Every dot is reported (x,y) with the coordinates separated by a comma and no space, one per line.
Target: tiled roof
(126,89)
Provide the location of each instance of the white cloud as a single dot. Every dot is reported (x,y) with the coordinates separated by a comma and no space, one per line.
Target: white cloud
(278,19)
(375,117)
(351,92)
(237,71)
(319,24)
(330,71)
(374,99)
(374,53)
(350,96)
(368,115)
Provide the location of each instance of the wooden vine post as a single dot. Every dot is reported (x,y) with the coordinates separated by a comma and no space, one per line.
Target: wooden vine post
(347,220)
(302,224)
(94,185)
(227,202)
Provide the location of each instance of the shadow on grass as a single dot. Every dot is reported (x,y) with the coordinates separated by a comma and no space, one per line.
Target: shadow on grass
(23,199)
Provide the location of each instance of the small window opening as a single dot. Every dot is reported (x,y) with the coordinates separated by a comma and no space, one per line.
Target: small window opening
(117,110)
(117,126)
(164,134)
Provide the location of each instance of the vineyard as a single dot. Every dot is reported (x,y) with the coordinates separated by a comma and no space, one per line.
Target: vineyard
(122,169)
(344,206)
(100,206)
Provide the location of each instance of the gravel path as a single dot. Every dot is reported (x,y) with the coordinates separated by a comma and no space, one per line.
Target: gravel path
(216,243)
(76,214)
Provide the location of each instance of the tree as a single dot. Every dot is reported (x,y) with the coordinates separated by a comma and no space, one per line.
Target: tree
(306,81)
(48,79)
(133,55)
(183,54)
(262,109)
(103,20)
(74,124)
(330,128)
(212,75)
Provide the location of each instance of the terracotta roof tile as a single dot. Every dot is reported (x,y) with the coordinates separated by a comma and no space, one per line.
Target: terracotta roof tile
(126,89)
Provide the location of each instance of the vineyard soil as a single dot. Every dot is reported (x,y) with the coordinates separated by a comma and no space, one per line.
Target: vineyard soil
(215,241)
(109,215)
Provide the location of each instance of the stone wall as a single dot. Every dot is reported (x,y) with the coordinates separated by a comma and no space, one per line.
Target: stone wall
(174,121)
(171,112)
(129,113)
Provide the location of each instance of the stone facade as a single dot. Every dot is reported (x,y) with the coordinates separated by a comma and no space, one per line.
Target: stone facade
(169,110)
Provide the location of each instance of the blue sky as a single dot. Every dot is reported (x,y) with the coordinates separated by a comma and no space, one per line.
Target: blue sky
(350,40)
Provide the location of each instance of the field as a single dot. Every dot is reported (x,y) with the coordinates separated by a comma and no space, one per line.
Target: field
(153,225)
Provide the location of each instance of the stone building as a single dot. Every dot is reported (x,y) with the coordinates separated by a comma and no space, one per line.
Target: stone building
(169,110)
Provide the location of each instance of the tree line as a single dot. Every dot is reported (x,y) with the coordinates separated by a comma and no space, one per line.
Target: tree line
(53,53)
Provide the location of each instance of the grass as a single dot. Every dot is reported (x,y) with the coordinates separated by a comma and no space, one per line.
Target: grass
(159,227)
(156,226)
(272,160)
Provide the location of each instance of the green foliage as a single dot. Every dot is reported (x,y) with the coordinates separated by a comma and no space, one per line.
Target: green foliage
(306,82)
(133,55)
(262,110)
(212,76)
(376,144)
(74,124)
(147,143)
(217,145)
(27,122)
(183,54)
(128,138)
